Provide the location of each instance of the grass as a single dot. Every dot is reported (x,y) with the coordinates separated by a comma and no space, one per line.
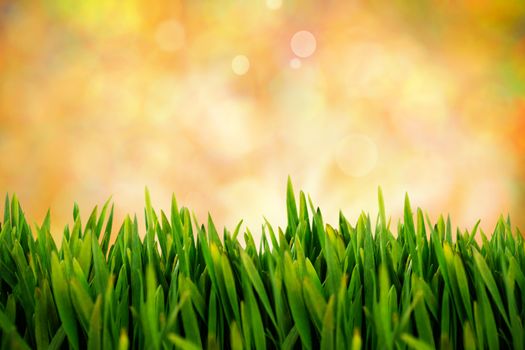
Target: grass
(308,286)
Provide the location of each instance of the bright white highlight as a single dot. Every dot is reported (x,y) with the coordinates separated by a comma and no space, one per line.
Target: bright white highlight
(303,44)
(240,64)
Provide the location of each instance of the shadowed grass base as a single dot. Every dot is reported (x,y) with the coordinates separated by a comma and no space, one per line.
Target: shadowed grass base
(308,286)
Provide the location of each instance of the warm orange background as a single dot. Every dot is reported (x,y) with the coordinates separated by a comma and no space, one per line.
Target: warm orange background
(218,101)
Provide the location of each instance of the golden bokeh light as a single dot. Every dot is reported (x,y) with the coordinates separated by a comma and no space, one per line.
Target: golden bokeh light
(303,44)
(295,63)
(240,64)
(274,4)
(220,101)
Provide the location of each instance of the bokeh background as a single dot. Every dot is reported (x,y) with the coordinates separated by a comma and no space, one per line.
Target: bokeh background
(219,101)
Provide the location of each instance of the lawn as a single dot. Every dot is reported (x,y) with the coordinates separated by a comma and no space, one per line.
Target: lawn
(179,284)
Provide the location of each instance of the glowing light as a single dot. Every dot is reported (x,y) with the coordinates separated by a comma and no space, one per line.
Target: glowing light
(170,36)
(141,68)
(295,63)
(274,4)
(356,155)
(231,194)
(303,44)
(240,64)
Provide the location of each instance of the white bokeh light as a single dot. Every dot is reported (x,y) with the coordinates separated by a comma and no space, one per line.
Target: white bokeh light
(274,4)
(295,63)
(303,44)
(240,64)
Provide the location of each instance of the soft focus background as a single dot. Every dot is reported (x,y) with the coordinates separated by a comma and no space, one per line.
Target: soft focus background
(219,101)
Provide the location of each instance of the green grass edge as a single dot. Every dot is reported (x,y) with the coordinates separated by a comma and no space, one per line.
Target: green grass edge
(182,285)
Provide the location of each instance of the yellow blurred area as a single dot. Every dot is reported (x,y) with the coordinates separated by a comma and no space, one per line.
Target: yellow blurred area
(219,101)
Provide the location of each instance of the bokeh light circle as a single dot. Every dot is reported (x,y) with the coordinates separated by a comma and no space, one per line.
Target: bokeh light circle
(295,63)
(303,44)
(274,4)
(356,155)
(240,64)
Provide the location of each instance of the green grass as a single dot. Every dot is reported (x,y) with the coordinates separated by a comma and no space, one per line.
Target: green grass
(308,286)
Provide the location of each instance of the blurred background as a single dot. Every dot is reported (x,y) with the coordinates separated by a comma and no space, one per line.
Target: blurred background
(219,101)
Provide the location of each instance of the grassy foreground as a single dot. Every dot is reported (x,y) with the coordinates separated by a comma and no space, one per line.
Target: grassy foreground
(310,286)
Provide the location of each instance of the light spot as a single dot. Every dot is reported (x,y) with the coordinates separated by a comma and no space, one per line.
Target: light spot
(170,36)
(295,63)
(303,44)
(274,4)
(240,64)
(356,155)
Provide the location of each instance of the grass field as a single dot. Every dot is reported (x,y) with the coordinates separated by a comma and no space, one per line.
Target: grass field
(180,284)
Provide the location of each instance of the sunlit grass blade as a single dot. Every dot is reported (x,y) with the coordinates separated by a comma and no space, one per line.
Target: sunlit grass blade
(62,300)
(295,298)
(490,283)
(415,343)
(177,284)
